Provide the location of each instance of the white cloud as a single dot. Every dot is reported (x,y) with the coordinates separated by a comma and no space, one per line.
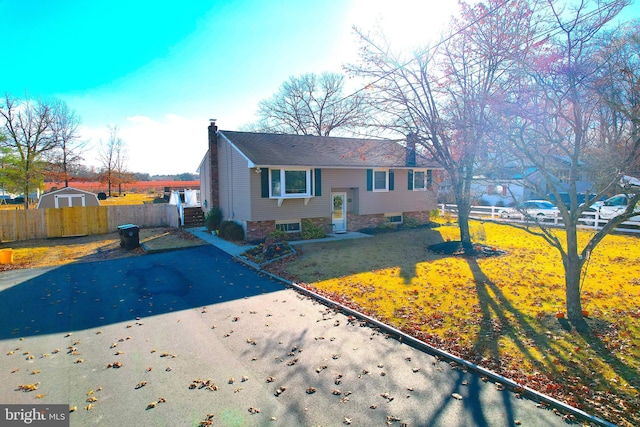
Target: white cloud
(168,145)
(407,24)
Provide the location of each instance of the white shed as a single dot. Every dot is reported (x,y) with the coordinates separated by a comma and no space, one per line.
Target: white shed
(68,197)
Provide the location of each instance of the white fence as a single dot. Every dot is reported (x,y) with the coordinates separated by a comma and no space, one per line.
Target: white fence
(588,220)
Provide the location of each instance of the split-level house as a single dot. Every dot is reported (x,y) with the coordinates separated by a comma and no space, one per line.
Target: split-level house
(268,182)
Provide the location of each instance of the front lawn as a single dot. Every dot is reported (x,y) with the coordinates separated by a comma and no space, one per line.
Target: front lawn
(500,311)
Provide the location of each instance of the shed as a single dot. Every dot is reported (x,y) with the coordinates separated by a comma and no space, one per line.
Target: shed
(67,197)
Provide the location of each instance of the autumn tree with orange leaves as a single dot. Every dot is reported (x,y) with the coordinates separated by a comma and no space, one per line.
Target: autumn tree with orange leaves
(519,83)
(576,108)
(441,96)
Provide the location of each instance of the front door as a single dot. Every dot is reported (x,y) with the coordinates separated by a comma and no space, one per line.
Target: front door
(339,212)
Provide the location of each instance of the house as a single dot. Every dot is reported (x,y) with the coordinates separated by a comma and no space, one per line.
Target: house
(511,184)
(272,181)
(67,197)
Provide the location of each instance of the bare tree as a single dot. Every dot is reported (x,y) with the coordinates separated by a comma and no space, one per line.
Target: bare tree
(557,118)
(28,127)
(121,174)
(112,157)
(442,96)
(68,154)
(619,89)
(311,105)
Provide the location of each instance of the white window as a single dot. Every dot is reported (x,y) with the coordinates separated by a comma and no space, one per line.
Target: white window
(290,183)
(394,218)
(419,180)
(288,226)
(380,180)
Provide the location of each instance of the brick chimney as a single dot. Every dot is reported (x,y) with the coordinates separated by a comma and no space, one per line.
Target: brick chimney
(411,149)
(214,199)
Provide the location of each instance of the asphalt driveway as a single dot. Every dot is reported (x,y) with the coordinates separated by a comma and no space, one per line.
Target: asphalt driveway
(168,339)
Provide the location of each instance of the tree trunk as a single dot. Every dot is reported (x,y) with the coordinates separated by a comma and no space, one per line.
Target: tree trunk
(463,195)
(463,223)
(572,283)
(26,196)
(573,275)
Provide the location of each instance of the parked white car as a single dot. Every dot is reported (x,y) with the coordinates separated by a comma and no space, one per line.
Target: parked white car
(615,206)
(531,209)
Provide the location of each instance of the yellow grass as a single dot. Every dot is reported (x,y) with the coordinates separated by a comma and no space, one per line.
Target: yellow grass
(56,252)
(129,199)
(500,311)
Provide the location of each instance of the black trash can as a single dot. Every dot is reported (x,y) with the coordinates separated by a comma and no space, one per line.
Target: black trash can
(129,236)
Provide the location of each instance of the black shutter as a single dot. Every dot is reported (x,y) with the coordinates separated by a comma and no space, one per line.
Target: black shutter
(318,182)
(391,179)
(369,179)
(410,180)
(264,181)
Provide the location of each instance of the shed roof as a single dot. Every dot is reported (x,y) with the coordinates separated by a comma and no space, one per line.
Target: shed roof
(69,190)
(264,149)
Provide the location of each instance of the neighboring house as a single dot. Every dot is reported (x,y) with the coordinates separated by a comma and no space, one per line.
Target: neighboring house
(67,197)
(271,181)
(508,186)
(500,191)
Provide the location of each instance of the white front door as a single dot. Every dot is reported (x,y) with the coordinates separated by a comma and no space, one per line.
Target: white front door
(339,212)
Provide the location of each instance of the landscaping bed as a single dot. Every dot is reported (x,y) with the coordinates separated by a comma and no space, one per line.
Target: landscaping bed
(264,254)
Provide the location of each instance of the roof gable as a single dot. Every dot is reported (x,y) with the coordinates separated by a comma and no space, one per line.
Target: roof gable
(70,190)
(263,149)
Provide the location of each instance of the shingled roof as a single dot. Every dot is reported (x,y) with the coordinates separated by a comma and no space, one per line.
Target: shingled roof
(264,149)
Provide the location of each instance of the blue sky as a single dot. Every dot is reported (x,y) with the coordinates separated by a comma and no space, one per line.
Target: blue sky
(160,70)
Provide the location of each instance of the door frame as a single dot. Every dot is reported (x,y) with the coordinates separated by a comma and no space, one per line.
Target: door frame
(344,211)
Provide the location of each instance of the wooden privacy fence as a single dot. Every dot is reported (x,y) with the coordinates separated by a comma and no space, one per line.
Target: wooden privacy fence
(81,221)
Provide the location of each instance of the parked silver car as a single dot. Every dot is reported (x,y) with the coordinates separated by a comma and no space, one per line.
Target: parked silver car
(531,209)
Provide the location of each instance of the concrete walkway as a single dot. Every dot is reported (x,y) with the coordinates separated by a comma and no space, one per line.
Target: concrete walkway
(234,249)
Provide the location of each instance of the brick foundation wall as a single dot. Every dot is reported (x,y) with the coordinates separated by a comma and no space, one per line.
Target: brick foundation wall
(323,223)
(423,217)
(357,222)
(258,230)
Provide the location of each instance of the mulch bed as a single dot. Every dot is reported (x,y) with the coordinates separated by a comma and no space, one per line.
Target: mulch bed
(455,248)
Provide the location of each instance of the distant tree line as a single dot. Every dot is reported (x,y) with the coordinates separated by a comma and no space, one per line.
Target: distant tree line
(40,142)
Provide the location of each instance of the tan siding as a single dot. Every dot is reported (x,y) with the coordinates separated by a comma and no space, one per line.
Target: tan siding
(398,200)
(234,182)
(352,181)
(264,209)
(205,182)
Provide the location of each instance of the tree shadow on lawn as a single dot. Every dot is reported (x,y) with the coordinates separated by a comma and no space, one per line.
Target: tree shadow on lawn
(501,318)
(401,249)
(592,336)
(85,295)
